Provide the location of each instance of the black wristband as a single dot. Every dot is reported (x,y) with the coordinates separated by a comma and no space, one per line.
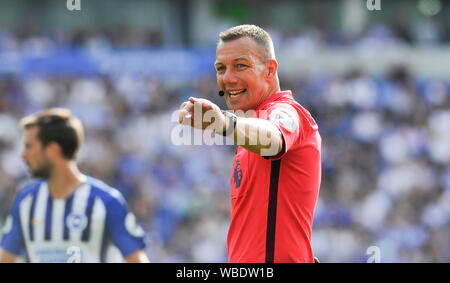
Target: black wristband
(231,123)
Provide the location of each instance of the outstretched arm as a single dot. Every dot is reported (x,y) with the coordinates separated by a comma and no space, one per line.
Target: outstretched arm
(256,135)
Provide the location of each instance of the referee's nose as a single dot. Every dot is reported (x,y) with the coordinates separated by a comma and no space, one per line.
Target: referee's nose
(229,78)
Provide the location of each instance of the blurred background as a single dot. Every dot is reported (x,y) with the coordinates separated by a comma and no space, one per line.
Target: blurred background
(377,82)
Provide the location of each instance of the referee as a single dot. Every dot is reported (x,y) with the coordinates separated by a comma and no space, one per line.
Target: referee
(65,216)
(277,168)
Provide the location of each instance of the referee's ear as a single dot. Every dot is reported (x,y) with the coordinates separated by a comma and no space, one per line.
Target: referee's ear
(271,70)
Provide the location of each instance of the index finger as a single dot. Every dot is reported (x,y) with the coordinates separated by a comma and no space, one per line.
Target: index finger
(205,103)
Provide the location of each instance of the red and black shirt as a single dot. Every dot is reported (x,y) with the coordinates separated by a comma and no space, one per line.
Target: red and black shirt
(273,198)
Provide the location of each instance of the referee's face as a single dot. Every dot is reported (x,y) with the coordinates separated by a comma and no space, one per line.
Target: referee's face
(241,73)
(34,155)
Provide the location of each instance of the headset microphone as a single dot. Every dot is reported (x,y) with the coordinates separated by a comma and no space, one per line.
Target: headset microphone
(221,93)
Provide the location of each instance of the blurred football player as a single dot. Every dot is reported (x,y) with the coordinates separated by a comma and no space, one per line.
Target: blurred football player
(65,216)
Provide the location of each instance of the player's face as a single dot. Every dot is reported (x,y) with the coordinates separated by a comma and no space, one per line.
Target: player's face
(34,155)
(241,73)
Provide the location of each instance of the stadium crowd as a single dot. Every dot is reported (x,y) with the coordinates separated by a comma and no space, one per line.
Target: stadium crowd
(386,154)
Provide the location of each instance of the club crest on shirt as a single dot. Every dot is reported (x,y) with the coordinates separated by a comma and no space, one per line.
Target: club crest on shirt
(76,221)
(132,226)
(282,116)
(237,174)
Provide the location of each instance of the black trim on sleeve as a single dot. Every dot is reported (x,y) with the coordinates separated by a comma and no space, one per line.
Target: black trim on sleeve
(282,151)
(272,210)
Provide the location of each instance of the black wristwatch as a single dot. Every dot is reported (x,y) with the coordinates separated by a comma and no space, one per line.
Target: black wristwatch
(232,119)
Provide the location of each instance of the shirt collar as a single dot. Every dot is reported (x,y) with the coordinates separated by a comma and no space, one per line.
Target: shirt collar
(275,96)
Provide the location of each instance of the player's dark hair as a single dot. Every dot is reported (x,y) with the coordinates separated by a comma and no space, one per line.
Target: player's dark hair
(59,126)
(259,35)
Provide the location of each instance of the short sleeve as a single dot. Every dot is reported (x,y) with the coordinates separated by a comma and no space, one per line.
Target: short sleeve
(126,234)
(286,118)
(12,240)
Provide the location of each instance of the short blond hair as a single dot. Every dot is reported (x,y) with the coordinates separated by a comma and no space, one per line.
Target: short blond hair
(57,125)
(259,35)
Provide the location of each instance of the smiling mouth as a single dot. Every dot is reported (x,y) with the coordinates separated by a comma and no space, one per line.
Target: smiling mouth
(235,93)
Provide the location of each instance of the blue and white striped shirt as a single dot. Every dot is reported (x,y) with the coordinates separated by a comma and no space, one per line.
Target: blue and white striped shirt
(82,228)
